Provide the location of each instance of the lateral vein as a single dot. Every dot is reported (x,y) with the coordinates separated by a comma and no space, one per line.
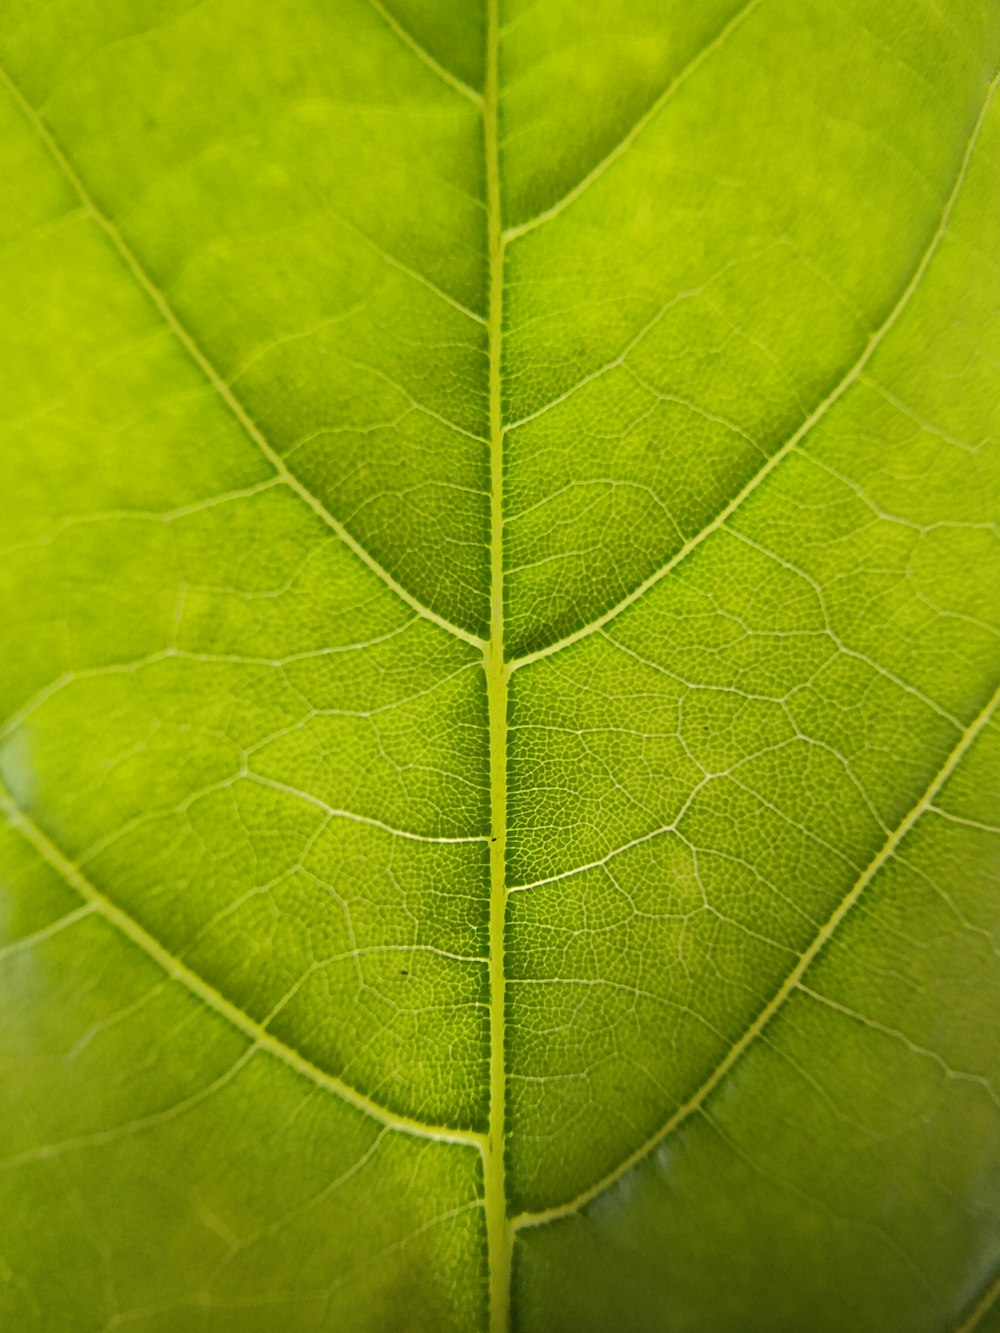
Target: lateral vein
(840,388)
(989,1298)
(790,984)
(424,56)
(257,1032)
(221,387)
(628,139)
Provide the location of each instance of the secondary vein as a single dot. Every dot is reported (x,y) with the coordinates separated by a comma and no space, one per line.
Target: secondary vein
(211,374)
(851,376)
(791,984)
(256,1031)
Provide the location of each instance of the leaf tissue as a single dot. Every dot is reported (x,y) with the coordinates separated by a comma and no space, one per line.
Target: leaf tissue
(499,747)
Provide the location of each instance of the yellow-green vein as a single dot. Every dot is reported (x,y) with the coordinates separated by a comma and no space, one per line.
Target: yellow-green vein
(256,1031)
(499,1234)
(790,984)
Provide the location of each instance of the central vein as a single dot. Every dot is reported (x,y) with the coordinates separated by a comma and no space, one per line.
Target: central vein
(498,1231)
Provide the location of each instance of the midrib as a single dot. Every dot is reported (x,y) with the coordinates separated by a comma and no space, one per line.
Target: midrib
(498,1230)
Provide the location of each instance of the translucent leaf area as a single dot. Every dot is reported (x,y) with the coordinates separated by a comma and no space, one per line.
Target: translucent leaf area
(500,651)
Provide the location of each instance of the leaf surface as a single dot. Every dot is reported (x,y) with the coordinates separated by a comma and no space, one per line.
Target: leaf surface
(500,666)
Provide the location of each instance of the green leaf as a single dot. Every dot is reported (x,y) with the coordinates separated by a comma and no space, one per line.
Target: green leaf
(500,660)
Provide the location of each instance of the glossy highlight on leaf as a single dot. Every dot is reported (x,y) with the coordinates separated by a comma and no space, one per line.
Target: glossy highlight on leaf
(499,747)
